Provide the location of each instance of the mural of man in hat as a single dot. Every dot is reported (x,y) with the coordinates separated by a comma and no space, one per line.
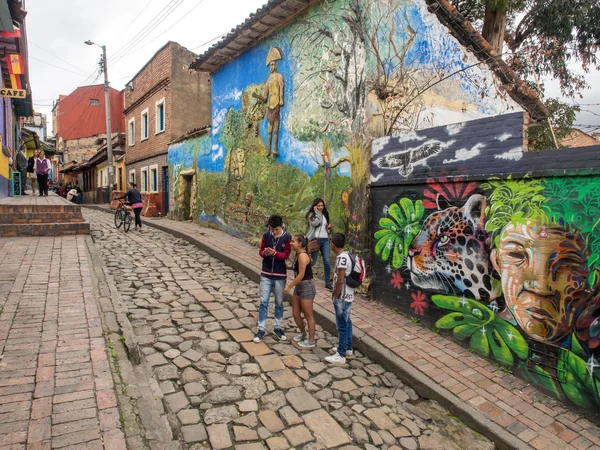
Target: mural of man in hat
(273,97)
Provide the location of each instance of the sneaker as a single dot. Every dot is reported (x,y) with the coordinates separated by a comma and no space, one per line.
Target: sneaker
(329,288)
(333,350)
(299,337)
(258,337)
(306,344)
(349,353)
(279,334)
(336,359)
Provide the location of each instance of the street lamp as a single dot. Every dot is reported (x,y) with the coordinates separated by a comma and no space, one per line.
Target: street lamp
(111,170)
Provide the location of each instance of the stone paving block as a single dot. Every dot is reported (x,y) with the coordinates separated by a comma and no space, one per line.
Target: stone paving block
(301,400)
(270,362)
(271,422)
(194,433)
(326,429)
(219,436)
(298,435)
(254,349)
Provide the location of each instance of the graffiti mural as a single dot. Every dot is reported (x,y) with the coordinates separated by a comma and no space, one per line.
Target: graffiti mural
(506,264)
(313,96)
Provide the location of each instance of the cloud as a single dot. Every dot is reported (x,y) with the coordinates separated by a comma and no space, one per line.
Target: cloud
(218,120)
(378,145)
(454,128)
(463,154)
(503,137)
(217,155)
(376,178)
(515,154)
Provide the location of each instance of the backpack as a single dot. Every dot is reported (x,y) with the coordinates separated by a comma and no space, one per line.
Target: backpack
(357,274)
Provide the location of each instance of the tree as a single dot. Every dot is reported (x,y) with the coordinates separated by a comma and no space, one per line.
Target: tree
(543,36)
(562,116)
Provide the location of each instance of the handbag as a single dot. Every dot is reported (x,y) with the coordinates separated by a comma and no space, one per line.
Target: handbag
(313,246)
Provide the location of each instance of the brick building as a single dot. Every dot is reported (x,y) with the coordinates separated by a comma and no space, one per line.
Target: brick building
(162,102)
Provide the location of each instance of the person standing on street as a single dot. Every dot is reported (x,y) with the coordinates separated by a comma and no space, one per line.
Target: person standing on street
(42,169)
(31,173)
(275,248)
(134,198)
(22,168)
(318,236)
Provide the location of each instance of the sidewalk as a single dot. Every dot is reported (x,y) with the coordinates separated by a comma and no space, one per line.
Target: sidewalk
(56,386)
(489,400)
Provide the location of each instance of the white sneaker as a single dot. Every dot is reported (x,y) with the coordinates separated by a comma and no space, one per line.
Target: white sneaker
(299,337)
(336,359)
(349,353)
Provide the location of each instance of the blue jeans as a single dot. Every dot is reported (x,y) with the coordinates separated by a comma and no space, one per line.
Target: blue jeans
(325,251)
(266,286)
(344,325)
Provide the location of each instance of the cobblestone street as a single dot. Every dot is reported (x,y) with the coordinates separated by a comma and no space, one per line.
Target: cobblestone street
(194,319)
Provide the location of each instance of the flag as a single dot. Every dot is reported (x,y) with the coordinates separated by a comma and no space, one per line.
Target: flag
(15,34)
(15,64)
(15,81)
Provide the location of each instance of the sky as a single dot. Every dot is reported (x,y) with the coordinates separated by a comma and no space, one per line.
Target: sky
(133,30)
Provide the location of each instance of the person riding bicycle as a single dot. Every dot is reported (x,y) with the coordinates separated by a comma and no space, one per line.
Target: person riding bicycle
(134,198)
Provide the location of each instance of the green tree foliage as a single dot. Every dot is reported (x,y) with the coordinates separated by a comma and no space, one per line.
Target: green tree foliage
(545,36)
(562,116)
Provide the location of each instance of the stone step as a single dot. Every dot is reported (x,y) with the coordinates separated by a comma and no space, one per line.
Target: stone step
(74,210)
(44,229)
(49,217)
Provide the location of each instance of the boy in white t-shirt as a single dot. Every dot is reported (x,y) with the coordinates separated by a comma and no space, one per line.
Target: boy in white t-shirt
(343,295)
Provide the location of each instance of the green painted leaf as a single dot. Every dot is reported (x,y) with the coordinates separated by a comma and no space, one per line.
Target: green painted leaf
(419,210)
(455,319)
(578,386)
(385,254)
(500,350)
(381,233)
(384,222)
(382,242)
(409,209)
(547,382)
(512,337)
(576,347)
(396,214)
(464,305)
(462,332)
(479,343)
(397,258)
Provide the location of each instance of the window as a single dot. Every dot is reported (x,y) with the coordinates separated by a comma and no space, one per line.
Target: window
(131,132)
(94,102)
(144,125)
(120,178)
(132,176)
(144,179)
(154,178)
(160,116)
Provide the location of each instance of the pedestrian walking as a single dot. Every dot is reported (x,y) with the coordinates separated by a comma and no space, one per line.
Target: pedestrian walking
(134,198)
(343,296)
(22,168)
(318,236)
(304,292)
(275,248)
(42,168)
(31,173)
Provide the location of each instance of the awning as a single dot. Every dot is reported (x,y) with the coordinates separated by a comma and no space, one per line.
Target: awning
(6,23)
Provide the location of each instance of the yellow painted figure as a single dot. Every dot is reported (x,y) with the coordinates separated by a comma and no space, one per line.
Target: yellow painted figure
(273,97)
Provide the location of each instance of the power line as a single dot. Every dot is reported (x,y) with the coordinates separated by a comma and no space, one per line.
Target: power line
(165,12)
(58,57)
(212,40)
(131,23)
(170,27)
(58,67)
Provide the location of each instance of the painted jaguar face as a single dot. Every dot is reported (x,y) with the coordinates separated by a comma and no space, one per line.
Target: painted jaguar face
(544,277)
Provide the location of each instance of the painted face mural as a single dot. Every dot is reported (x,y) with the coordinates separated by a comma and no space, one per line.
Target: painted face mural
(450,253)
(544,278)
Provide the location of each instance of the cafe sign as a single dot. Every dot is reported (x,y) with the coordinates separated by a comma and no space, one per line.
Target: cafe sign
(13,93)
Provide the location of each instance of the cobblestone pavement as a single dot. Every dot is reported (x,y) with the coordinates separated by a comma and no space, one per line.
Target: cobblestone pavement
(56,387)
(194,318)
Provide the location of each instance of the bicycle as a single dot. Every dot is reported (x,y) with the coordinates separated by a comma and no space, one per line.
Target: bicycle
(123,216)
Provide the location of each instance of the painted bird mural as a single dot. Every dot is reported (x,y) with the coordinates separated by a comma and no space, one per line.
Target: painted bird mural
(404,160)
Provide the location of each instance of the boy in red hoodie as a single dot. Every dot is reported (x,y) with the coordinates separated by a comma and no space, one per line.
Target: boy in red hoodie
(275,248)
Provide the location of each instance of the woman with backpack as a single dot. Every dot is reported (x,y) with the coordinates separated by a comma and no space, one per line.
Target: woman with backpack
(318,236)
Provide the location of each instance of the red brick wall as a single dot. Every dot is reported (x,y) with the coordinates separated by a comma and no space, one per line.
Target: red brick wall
(161,161)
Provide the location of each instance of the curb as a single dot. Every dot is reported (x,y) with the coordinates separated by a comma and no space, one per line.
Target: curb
(419,381)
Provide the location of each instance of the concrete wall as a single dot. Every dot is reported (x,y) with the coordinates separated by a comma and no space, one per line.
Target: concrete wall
(339,93)
(495,247)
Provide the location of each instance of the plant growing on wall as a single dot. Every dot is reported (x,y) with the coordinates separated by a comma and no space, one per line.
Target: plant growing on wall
(401,225)
(512,201)
(487,333)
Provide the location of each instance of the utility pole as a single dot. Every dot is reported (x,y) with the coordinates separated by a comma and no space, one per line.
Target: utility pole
(111,169)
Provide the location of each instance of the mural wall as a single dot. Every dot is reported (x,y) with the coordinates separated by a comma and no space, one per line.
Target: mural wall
(294,117)
(507,264)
